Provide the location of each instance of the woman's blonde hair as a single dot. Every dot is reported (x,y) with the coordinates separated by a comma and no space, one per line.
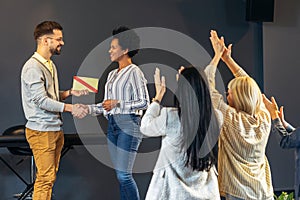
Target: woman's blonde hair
(246,95)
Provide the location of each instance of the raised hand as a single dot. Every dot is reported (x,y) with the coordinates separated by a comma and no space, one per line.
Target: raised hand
(227,53)
(179,72)
(160,85)
(271,106)
(220,47)
(80,110)
(281,116)
(273,110)
(217,43)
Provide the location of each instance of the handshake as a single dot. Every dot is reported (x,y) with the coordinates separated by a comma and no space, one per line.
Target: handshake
(80,110)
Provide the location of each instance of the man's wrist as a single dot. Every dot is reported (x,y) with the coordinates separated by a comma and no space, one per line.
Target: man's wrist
(68,108)
(70,92)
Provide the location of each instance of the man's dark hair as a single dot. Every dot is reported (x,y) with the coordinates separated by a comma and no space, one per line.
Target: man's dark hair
(127,40)
(45,28)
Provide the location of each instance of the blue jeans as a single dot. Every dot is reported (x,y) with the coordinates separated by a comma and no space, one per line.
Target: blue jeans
(123,139)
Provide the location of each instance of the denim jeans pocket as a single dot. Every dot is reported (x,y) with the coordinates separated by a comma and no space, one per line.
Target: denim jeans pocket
(136,119)
(128,123)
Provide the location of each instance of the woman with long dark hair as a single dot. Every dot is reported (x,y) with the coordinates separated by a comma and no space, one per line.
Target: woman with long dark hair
(185,168)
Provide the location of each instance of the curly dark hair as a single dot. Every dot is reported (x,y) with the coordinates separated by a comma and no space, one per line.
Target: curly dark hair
(128,39)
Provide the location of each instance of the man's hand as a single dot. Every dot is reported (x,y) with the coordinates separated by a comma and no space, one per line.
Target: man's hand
(79,93)
(80,110)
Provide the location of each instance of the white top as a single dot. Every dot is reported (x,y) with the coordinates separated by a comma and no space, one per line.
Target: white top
(171,178)
(129,86)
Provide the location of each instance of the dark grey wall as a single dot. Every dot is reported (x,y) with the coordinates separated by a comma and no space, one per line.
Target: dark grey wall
(281,79)
(86,24)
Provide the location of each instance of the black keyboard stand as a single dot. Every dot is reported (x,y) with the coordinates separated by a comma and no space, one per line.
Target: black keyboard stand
(29,185)
(20,141)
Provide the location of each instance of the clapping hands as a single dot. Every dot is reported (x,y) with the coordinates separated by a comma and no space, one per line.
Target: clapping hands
(160,85)
(272,107)
(80,110)
(219,46)
(217,43)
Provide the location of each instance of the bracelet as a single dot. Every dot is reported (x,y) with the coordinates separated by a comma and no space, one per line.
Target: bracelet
(155,100)
(70,92)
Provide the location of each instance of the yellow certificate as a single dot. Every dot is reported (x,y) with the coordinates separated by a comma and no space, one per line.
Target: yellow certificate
(82,83)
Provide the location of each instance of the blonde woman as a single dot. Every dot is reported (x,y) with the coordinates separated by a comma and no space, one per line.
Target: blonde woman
(244,171)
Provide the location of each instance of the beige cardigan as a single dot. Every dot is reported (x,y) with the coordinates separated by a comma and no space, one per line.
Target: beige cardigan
(243,168)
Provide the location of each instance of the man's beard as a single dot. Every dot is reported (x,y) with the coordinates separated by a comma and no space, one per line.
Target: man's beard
(55,51)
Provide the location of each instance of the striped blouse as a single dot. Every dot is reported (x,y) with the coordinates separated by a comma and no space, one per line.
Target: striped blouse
(243,167)
(129,86)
